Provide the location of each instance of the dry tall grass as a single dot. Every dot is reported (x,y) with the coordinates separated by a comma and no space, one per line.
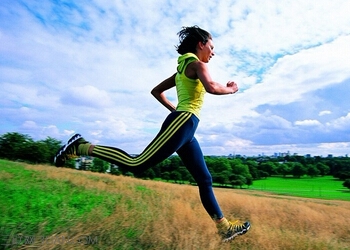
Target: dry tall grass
(157,215)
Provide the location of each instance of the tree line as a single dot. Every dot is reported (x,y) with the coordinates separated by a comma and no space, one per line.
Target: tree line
(235,171)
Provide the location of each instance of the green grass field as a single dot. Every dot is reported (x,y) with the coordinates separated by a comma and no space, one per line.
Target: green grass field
(319,187)
(44,207)
(28,199)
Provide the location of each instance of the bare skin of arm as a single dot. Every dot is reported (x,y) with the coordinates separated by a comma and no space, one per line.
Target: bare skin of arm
(158,92)
(199,70)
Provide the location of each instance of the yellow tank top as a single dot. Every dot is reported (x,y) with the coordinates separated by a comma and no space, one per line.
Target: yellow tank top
(190,92)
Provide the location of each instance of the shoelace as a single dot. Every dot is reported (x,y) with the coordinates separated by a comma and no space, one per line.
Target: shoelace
(72,152)
(69,154)
(235,225)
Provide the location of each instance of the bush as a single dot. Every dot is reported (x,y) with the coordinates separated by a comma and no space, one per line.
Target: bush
(347,183)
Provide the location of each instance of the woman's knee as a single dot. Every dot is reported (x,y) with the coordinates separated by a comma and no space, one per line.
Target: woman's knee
(206,181)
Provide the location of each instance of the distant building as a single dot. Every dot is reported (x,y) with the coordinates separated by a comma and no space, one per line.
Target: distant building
(83,163)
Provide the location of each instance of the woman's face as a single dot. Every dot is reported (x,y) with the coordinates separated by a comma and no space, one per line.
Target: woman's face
(207,51)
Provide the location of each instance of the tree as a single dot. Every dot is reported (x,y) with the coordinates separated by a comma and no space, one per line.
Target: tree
(149,173)
(13,146)
(285,168)
(343,175)
(129,174)
(298,169)
(263,174)
(221,178)
(115,170)
(218,164)
(337,165)
(323,168)
(175,176)
(249,181)
(192,180)
(238,180)
(268,167)
(185,175)
(175,162)
(36,152)
(312,170)
(53,146)
(240,168)
(347,183)
(253,169)
(70,163)
(165,176)
(99,165)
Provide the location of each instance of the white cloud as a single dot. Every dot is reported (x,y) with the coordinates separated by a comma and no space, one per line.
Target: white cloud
(88,96)
(342,123)
(286,27)
(334,146)
(29,125)
(89,68)
(294,76)
(325,112)
(308,123)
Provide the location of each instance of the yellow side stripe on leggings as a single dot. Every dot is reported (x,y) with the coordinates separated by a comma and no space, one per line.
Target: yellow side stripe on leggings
(158,143)
(155,145)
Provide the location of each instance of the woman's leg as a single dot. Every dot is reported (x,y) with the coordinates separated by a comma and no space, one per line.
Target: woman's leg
(192,156)
(177,129)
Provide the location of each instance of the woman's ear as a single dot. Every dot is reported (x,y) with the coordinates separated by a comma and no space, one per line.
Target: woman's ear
(200,45)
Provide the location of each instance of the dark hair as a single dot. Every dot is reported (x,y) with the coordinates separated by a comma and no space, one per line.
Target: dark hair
(189,38)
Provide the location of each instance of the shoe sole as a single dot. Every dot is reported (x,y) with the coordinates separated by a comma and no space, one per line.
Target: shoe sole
(58,154)
(63,149)
(236,234)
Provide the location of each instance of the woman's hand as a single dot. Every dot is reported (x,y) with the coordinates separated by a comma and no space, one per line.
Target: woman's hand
(232,85)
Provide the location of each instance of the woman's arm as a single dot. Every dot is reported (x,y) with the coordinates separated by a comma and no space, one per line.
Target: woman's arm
(158,92)
(211,86)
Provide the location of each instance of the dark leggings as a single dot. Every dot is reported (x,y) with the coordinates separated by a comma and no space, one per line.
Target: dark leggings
(175,135)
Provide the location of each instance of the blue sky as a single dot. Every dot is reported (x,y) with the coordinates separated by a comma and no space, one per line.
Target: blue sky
(88,66)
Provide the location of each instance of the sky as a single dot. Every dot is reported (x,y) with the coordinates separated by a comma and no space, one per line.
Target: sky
(88,66)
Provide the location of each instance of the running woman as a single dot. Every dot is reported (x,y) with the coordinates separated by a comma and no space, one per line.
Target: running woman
(192,80)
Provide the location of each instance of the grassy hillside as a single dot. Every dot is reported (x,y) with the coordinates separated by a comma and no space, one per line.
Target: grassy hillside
(50,208)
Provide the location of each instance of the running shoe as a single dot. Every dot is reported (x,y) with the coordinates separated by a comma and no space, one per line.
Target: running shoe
(235,229)
(69,150)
